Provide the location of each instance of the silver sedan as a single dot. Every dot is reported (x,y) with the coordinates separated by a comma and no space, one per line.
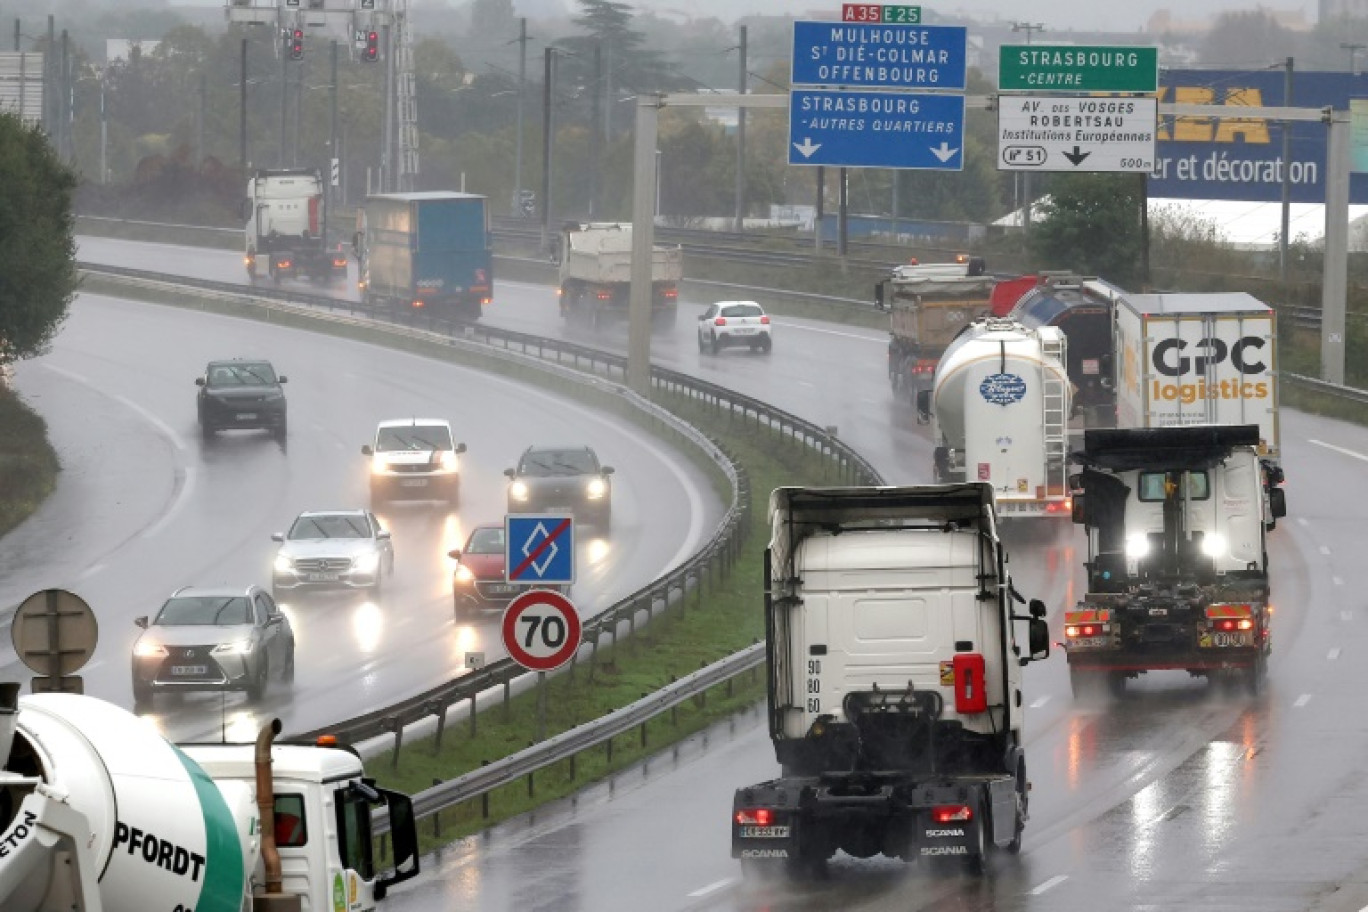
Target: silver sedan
(335,549)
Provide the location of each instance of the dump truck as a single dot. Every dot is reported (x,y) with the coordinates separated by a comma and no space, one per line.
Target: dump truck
(928,304)
(595,284)
(100,813)
(425,254)
(1001,404)
(895,700)
(1177,564)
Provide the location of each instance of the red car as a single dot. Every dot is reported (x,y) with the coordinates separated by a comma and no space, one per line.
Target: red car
(479,579)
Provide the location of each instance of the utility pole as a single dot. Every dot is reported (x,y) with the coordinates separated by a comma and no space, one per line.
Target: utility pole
(516,208)
(843,215)
(598,101)
(1353,50)
(548,66)
(199,119)
(821,199)
(333,154)
(1286,178)
(242,112)
(298,112)
(1030,28)
(284,103)
(387,168)
(741,141)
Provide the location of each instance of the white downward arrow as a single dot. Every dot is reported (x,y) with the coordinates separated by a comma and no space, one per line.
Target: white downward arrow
(807,147)
(944,152)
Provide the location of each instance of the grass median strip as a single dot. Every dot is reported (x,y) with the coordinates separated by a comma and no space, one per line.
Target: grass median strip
(683,639)
(28,463)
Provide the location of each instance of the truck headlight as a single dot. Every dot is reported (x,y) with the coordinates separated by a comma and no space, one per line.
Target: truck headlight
(518,490)
(1137,546)
(449,461)
(1214,544)
(378,463)
(149,649)
(596,488)
(366,563)
(283,564)
(237,647)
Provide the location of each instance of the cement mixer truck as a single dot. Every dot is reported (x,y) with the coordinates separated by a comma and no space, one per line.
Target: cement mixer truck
(1001,404)
(100,813)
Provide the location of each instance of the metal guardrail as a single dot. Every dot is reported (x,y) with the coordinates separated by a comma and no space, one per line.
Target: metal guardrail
(1347,393)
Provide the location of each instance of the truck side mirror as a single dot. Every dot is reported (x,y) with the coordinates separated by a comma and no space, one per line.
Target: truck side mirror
(404,837)
(1077,513)
(1277,502)
(1040,639)
(246,209)
(879,295)
(1037,608)
(356,244)
(924,406)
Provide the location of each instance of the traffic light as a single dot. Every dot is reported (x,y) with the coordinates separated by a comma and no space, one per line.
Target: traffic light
(372,52)
(297,44)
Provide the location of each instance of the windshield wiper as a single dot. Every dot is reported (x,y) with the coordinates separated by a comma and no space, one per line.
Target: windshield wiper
(258,377)
(222,608)
(360,532)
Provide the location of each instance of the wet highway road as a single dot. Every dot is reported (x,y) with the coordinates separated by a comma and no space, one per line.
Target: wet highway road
(1174,798)
(143,506)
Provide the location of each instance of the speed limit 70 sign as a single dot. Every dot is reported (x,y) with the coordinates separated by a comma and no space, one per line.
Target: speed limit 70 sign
(541,629)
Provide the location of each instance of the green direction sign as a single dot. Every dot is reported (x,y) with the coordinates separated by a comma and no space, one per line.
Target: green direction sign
(1069,68)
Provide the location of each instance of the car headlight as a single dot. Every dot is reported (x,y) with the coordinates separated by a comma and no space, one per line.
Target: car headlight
(149,649)
(1213,544)
(1137,545)
(518,490)
(237,647)
(449,461)
(366,563)
(379,463)
(283,564)
(463,574)
(596,488)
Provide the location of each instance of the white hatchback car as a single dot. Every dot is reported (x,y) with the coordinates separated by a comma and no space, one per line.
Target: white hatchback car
(734,323)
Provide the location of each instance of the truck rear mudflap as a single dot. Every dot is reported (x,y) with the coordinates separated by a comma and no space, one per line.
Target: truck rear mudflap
(806,821)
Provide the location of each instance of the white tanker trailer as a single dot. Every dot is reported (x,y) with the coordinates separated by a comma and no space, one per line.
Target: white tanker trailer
(100,813)
(1001,402)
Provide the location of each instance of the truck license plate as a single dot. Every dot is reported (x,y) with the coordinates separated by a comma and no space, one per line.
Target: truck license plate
(246,416)
(764,832)
(1232,639)
(413,482)
(1090,642)
(185,670)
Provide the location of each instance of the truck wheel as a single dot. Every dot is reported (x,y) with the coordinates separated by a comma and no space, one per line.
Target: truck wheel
(1023,797)
(1256,676)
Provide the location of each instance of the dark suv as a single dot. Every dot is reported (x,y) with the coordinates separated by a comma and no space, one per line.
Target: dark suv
(562,479)
(241,393)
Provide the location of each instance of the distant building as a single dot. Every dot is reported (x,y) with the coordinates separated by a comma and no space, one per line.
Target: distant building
(1164,22)
(1327,10)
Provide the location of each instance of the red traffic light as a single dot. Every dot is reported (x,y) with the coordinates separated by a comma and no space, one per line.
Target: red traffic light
(297,44)
(372,52)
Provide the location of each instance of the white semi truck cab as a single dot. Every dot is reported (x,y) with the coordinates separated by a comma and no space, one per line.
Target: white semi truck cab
(100,813)
(1176,519)
(895,692)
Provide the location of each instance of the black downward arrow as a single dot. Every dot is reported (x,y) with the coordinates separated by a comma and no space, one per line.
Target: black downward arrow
(1076,156)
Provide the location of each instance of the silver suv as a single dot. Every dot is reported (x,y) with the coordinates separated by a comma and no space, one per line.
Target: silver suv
(414,459)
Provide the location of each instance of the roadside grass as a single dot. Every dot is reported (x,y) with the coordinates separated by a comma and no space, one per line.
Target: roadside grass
(28,463)
(718,619)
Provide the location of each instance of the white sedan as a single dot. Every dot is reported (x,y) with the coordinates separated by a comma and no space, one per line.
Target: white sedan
(336,549)
(734,323)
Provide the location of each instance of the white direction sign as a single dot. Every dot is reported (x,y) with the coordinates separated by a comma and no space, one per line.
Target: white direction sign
(1076,133)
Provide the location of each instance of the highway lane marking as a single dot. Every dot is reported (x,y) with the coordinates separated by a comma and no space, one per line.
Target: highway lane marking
(1302,701)
(1040,701)
(712,888)
(1050,884)
(1333,654)
(92,570)
(1324,549)
(1346,615)
(1301,520)
(1338,581)
(1338,449)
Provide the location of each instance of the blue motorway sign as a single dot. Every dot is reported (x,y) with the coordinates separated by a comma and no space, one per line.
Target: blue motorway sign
(539,548)
(849,129)
(879,56)
(1241,158)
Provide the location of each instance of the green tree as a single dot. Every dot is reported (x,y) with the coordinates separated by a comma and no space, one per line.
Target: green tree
(1091,225)
(37,254)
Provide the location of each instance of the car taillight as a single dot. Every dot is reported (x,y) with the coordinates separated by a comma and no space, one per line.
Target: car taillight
(604,295)
(417,303)
(339,261)
(952,813)
(755,817)
(671,293)
(1086,630)
(284,264)
(720,321)
(765,320)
